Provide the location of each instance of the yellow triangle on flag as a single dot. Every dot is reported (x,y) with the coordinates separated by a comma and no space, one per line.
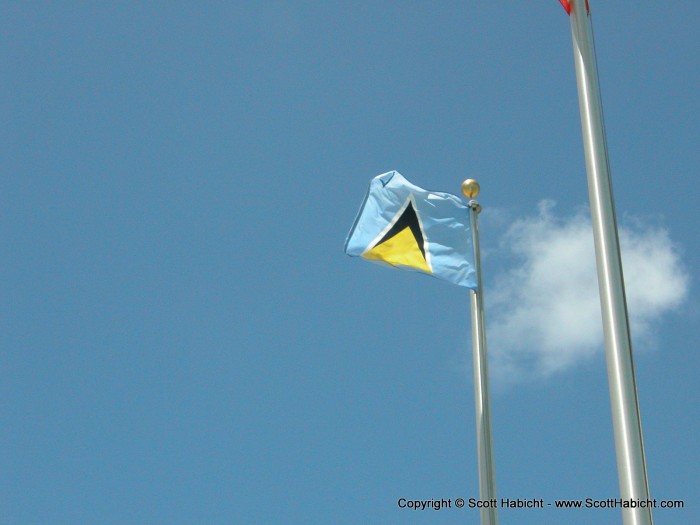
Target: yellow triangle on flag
(400,250)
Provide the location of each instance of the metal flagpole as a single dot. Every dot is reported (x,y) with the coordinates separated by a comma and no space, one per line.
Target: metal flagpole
(631,464)
(484,436)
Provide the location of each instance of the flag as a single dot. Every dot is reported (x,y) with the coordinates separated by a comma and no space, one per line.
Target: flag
(403,226)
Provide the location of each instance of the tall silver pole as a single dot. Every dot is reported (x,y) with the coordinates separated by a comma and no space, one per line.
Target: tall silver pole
(484,436)
(629,447)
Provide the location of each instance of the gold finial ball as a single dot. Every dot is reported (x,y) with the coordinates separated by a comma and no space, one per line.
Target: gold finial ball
(470,188)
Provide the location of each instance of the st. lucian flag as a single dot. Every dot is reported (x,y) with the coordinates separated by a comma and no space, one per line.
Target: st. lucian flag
(403,226)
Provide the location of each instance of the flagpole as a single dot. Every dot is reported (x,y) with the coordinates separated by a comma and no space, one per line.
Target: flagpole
(629,446)
(484,436)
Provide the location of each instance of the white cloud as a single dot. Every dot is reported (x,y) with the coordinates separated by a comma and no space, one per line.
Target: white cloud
(544,314)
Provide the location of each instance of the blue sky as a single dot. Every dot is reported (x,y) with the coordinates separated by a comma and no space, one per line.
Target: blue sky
(183,340)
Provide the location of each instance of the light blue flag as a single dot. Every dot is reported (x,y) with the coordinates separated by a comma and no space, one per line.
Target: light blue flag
(404,226)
